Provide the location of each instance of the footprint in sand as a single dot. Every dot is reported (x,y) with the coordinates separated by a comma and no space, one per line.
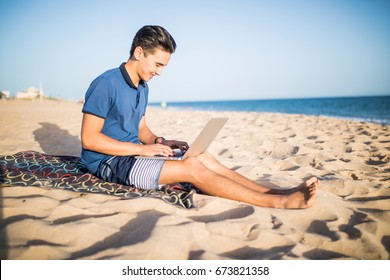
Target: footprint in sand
(283,150)
(226,153)
(288,165)
(316,163)
(378,159)
(276,222)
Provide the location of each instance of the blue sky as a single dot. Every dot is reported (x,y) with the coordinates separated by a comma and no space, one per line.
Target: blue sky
(226,49)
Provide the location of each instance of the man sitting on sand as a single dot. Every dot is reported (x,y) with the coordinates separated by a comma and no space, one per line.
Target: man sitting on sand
(114,131)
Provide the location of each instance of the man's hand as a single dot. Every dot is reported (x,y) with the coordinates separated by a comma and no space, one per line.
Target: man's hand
(156,150)
(164,149)
(174,144)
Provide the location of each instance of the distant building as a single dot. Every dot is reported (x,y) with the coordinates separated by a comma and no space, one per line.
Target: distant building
(4,94)
(29,93)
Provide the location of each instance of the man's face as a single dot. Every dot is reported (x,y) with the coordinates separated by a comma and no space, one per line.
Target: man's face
(152,64)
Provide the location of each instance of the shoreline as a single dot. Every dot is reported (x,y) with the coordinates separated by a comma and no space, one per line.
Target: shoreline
(349,220)
(373,109)
(350,119)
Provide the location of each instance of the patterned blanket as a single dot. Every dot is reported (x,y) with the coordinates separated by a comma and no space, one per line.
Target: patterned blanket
(33,169)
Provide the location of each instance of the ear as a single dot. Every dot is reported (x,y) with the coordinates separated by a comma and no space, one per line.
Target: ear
(138,52)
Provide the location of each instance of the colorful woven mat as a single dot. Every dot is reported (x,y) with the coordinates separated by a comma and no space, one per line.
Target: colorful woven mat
(33,169)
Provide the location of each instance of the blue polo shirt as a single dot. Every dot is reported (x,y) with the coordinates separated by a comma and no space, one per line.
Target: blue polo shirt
(113,97)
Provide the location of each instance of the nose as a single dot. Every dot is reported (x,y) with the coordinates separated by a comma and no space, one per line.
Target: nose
(159,71)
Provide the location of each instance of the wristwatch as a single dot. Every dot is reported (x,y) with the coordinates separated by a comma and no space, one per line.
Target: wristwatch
(159,140)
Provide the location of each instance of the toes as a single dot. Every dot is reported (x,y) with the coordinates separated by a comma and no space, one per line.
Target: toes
(311,181)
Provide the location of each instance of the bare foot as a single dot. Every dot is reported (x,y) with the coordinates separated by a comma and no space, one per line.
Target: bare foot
(302,196)
(291,190)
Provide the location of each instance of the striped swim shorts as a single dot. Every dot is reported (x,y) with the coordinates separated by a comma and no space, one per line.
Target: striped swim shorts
(128,170)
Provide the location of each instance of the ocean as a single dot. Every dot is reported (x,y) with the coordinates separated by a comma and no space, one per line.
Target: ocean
(374,109)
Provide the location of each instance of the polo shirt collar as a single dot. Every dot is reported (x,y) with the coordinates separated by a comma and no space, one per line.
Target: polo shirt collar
(127,77)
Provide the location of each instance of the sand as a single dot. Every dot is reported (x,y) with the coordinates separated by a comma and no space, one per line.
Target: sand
(349,220)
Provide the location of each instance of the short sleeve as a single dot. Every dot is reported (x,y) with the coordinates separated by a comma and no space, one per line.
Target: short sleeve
(98,98)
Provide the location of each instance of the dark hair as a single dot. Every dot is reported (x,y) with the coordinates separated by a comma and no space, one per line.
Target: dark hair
(150,37)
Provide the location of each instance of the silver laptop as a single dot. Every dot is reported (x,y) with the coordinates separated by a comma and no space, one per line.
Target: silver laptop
(201,143)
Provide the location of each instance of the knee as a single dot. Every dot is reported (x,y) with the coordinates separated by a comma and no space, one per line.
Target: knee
(195,167)
(206,158)
(193,163)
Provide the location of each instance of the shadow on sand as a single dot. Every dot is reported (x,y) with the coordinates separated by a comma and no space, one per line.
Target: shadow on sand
(56,141)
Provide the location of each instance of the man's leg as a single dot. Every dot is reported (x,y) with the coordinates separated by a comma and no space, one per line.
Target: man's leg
(193,170)
(213,164)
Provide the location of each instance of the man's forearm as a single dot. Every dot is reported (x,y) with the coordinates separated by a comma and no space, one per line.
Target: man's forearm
(146,136)
(103,144)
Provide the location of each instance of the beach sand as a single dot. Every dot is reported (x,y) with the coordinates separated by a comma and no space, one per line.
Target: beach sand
(349,220)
